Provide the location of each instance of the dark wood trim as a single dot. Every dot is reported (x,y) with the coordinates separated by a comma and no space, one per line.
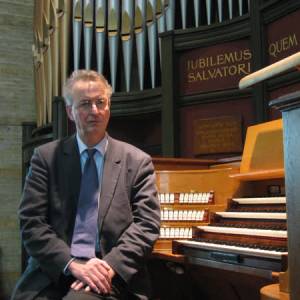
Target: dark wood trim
(276,9)
(168,163)
(287,102)
(258,60)
(135,103)
(232,94)
(59,118)
(292,77)
(204,36)
(168,112)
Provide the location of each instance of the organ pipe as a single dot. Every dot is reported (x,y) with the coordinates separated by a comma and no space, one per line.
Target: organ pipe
(127,39)
(101,24)
(88,22)
(140,36)
(113,38)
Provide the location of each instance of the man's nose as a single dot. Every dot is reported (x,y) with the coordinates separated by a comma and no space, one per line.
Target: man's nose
(94,107)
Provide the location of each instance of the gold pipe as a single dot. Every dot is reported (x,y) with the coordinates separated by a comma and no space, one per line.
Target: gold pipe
(54,41)
(125,27)
(65,28)
(159,9)
(112,23)
(149,13)
(138,20)
(100,20)
(36,62)
(47,63)
(113,38)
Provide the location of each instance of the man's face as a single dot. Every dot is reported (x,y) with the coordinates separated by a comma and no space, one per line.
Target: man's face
(90,111)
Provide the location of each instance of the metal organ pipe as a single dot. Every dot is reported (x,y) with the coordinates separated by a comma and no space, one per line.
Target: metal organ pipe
(140,36)
(183,4)
(208,11)
(152,38)
(101,30)
(77,25)
(161,23)
(113,38)
(88,23)
(170,14)
(132,22)
(127,39)
(197,12)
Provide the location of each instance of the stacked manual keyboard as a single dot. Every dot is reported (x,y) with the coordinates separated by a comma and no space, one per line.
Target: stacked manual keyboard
(251,233)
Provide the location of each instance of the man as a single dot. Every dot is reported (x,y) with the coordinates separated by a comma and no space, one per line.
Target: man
(62,263)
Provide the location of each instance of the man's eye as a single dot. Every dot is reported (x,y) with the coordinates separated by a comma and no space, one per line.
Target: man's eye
(99,102)
(85,104)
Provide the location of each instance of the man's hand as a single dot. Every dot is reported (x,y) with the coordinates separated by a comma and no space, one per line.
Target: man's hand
(94,274)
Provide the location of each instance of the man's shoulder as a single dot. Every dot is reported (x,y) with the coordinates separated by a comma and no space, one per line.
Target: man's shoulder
(56,144)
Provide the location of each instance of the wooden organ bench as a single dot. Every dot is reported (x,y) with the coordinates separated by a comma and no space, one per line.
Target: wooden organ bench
(277,291)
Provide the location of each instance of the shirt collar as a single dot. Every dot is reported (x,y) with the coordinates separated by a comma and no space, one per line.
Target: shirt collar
(101,146)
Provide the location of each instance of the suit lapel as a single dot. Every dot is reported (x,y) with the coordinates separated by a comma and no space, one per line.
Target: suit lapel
(110,177)
(72,176)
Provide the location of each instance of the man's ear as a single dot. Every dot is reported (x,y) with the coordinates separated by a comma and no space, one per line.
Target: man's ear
(70,112)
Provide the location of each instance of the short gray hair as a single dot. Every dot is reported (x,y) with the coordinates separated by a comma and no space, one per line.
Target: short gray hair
(84,75)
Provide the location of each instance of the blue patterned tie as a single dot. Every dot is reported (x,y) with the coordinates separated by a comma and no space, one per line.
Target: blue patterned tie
(85,230)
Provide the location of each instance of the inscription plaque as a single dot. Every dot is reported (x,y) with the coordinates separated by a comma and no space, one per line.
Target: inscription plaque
(283,37)
(218,135)
(212,68)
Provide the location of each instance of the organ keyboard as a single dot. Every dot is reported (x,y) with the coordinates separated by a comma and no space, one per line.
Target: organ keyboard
(264,200)
(238,242)
(187,198)
(251,226)
(252,215)
(239,248)
(239,236)
(243,231)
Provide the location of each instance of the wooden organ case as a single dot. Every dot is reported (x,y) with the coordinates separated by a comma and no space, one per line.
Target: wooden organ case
(187,197)
(240,243)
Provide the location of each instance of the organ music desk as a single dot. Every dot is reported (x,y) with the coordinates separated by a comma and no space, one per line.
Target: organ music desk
(223,231)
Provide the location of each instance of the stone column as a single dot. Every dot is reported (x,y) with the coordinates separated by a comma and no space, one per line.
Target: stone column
(17,105)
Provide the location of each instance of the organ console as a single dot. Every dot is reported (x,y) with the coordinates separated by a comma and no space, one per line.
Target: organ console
(224,232)
(187,198)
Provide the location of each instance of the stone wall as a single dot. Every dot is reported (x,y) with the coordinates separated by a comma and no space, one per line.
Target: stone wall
(16,106)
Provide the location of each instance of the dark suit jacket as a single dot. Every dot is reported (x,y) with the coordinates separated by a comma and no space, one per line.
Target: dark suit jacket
(129,214)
